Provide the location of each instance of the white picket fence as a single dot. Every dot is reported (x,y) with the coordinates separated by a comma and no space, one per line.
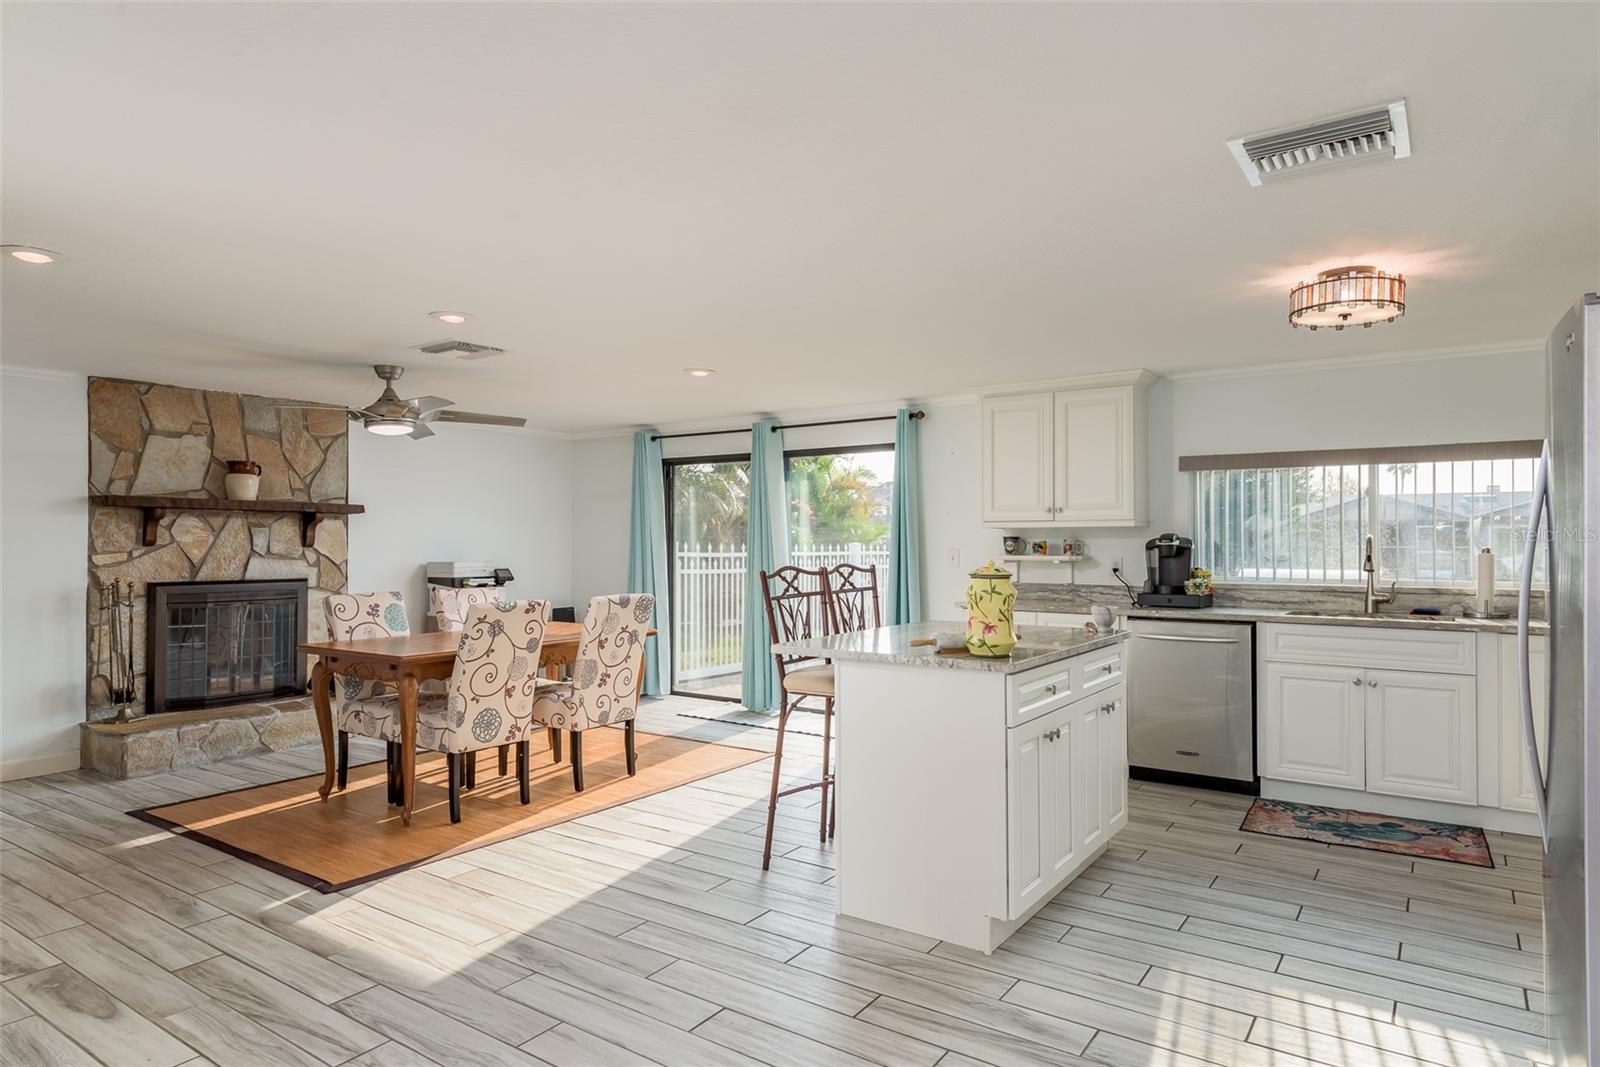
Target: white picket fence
(708,600)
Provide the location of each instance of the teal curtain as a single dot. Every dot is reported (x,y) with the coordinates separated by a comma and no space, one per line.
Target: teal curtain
(768,544)
(904,602)
(647,558)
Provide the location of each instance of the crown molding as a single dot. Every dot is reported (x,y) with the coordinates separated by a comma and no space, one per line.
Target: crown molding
(1416,355)
(43,374)
(1143,379)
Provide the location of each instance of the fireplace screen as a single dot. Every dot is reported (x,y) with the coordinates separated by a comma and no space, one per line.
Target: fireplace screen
(212,643)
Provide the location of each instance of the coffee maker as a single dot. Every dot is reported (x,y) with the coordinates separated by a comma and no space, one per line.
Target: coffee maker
(1167,562)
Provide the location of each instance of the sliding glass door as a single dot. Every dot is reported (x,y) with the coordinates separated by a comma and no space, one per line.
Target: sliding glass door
(838,512)
(708,510)
(839,505)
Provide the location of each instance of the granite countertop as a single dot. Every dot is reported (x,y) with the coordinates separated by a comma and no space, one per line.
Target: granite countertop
(892,644)
(1308,605)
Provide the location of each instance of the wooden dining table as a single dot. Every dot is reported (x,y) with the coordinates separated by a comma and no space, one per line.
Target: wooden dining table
(407,662)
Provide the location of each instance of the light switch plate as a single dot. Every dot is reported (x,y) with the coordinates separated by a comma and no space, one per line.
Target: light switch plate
(955,558)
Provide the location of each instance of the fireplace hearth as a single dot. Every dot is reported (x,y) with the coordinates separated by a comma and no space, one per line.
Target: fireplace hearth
(209,644)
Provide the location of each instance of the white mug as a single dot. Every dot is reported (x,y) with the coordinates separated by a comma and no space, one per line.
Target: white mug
(1104,618)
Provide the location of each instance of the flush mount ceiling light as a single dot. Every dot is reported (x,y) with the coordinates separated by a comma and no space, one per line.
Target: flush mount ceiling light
(699,372)
(454,318)
(391,427)
(30,254)
(1347,296)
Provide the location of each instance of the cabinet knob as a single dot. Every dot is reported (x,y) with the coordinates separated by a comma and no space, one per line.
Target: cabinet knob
(1373,682)
(1110,668)
(1108,708)
(1355,681)
(1051,689)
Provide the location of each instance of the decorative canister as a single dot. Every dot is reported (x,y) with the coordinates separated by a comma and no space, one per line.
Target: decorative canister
(990,598)
(243,480)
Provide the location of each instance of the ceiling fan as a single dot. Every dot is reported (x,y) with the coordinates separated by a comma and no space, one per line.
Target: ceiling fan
(391,416)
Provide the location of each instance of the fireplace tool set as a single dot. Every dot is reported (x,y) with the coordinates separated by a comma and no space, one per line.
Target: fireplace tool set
(114,655)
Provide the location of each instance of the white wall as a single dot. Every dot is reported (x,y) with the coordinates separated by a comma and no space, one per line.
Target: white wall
(602,495)
(468,493)
(44,534)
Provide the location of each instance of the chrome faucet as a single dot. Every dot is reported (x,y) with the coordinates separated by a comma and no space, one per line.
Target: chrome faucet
(1373,598)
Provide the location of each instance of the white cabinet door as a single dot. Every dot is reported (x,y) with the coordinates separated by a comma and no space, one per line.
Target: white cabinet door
(1516,776)
(1039,807)
(1114,753)
(1097,457)
(1312,723)
(1422,735)
(1090,768)
(1018,460)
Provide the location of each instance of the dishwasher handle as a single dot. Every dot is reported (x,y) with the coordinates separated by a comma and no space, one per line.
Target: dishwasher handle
(1191,640)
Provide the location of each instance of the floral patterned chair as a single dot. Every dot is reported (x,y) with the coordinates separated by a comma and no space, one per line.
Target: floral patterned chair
(604,689)
(449,606)
(359,705)
(490,699)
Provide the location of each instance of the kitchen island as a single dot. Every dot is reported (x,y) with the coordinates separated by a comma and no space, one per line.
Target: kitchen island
(972,789)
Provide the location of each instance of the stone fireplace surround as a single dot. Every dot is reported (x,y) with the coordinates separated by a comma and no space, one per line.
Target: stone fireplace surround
(163,440)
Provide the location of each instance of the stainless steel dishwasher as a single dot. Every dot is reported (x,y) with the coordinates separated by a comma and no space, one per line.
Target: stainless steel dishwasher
(1191,702)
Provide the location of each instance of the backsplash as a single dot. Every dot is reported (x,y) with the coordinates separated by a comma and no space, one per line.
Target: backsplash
(1078,599)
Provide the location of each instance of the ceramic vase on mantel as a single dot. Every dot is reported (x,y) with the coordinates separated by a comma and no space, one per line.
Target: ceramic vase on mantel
(990,601)
(243,480)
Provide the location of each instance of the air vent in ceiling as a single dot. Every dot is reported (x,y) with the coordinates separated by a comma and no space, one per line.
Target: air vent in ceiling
(460,349)
(1366,136)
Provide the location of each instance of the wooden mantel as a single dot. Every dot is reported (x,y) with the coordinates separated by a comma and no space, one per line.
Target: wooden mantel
(154,508)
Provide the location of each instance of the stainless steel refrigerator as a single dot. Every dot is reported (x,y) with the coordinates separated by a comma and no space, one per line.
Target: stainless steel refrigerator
(1565,522)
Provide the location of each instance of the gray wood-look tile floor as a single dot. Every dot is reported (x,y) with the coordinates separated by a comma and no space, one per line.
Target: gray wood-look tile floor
(648,934)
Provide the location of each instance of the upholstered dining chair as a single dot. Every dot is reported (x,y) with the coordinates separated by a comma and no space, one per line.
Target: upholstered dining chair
(358,704)
(604,687)
(489,701)
(798,609)
(449,607)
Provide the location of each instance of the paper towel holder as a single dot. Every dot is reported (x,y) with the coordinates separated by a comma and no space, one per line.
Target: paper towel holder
(1487,611)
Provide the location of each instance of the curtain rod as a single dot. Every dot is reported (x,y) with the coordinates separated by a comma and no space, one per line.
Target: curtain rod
(918,414)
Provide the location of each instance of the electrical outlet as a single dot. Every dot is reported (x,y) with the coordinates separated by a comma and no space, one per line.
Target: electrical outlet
(955,558)
(1116,564)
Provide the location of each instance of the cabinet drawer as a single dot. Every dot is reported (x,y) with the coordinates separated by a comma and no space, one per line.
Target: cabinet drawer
(1097,670)
(1036,692)
(1395,648)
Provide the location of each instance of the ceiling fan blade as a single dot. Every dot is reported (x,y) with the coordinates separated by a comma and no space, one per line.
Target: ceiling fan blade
(421,405)
(420,430)
(312,407)
(452,415)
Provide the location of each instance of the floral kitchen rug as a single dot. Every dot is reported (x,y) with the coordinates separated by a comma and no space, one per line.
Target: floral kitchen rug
(1364,829)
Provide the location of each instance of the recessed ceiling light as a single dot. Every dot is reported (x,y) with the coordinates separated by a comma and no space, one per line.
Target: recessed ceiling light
(29,254)
(454,318)
(699,372)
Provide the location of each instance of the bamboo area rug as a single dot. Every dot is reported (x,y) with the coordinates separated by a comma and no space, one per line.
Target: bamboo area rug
(356,836)
(1417,838)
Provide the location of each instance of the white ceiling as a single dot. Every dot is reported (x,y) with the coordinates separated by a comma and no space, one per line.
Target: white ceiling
(829,204)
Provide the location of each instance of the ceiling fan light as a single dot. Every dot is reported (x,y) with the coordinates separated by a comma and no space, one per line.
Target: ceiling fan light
(454,318)
(389,427)
(37,257)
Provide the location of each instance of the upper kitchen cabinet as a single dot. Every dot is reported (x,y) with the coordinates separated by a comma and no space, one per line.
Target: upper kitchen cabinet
(1067,454)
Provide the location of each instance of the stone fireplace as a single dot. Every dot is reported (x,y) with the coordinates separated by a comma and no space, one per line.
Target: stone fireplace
(162,441)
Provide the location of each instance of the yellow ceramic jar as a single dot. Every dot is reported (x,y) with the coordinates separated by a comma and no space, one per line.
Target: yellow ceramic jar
(990,599)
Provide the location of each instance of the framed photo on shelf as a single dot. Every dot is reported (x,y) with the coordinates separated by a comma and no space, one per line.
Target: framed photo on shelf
(1038,548)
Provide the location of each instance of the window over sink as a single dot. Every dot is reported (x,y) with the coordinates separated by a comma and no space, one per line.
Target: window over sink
(1304,516)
